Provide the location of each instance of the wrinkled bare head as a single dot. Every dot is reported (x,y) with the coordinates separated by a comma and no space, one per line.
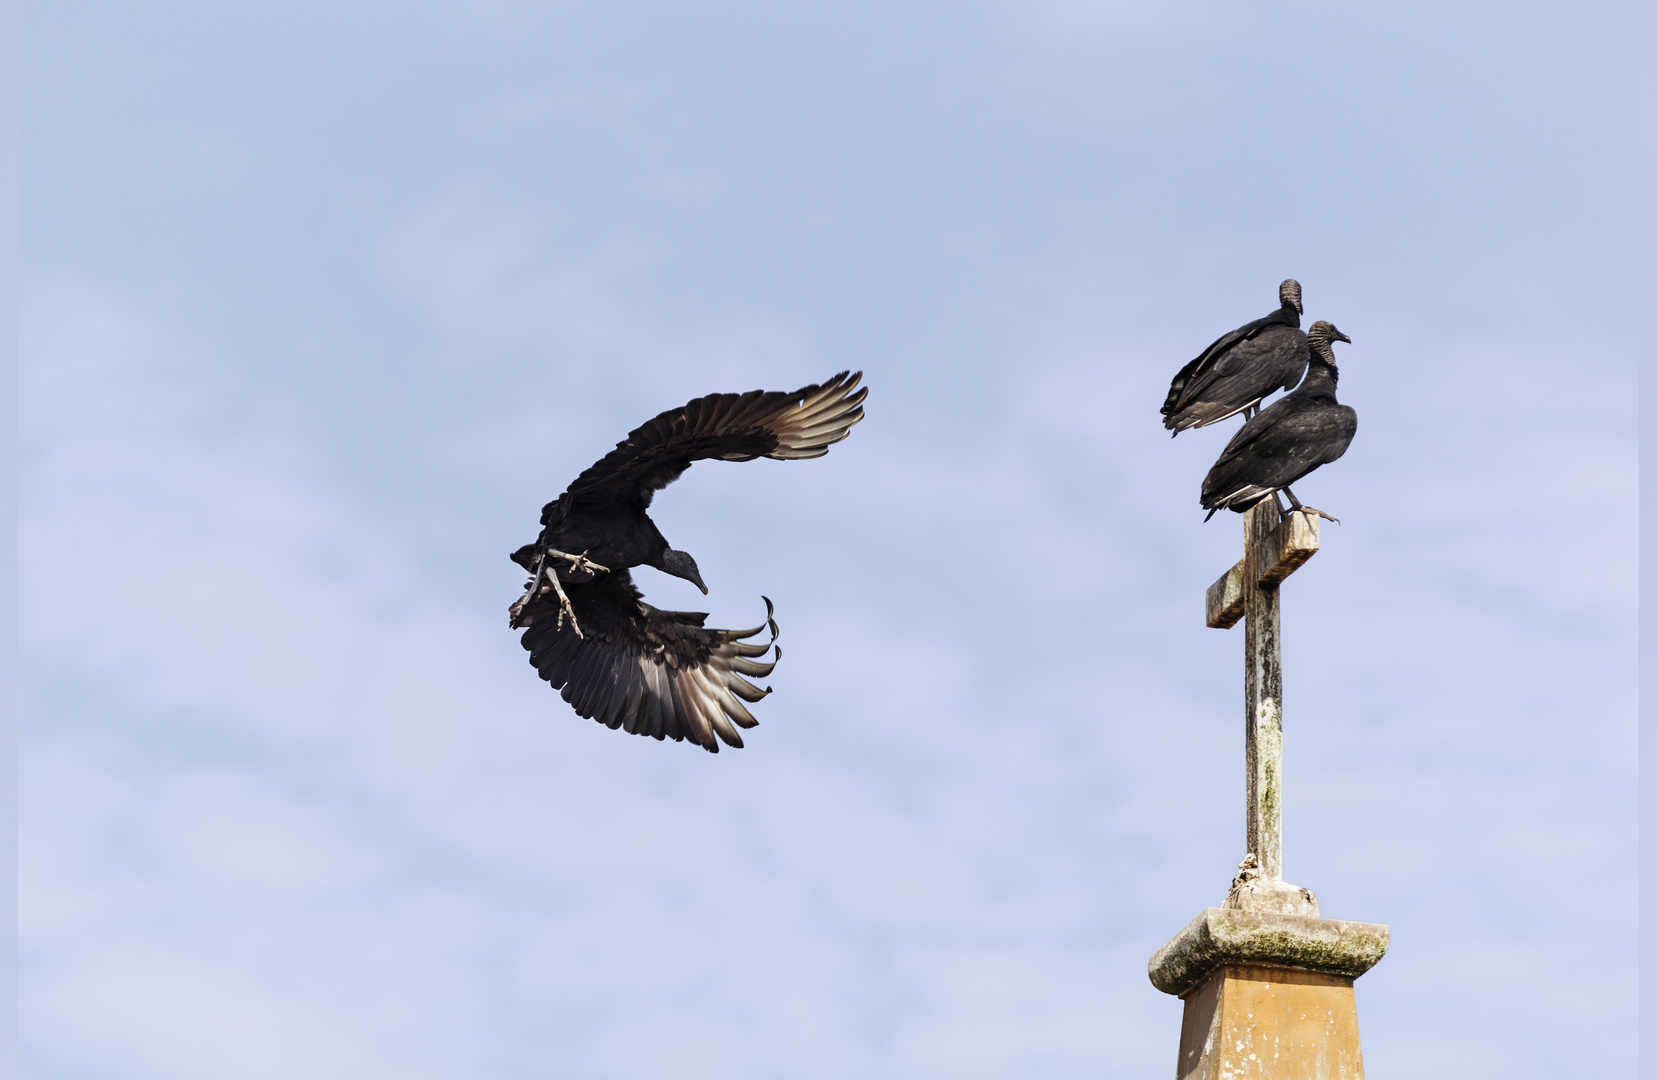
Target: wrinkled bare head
(1288,294)
(1321,334)
(681,565)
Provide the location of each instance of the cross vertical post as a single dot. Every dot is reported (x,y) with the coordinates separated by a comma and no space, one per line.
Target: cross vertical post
(1263,695)
(1274,546)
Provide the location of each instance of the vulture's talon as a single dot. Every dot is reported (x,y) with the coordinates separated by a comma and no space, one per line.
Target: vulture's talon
(564,607)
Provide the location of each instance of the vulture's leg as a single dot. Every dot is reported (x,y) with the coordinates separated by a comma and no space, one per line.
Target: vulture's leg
(564,607)
(1309,509)
(579,562)
(550,576)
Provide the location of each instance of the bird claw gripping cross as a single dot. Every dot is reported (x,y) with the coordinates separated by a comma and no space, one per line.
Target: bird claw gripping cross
(543,573)
(1295,507)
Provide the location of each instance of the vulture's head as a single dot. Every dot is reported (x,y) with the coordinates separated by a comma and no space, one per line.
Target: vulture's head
(1288,294)
(1321,334)
(681,565)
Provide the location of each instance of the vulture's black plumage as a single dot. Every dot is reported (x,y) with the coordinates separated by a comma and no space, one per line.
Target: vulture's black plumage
(590,634)
(1240,368)
(1286,440)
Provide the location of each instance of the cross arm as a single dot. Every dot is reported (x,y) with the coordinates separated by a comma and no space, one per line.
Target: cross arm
(1293,542)
(1225,599)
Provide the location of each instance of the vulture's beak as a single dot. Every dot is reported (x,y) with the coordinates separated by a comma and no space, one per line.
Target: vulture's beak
(1342,337)
(681,565)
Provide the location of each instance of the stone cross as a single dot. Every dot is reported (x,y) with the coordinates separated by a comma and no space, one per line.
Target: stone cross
(1267,982)
(1274,546)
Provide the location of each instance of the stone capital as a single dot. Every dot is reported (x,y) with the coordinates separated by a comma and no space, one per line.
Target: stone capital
(1229,936)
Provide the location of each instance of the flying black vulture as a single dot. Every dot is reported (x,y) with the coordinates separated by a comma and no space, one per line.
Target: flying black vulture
(1234,373)
(590,634)
(1286,440)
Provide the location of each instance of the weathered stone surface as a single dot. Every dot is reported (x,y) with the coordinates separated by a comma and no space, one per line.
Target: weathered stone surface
(1262,699)
(1286,549)
(1275,897)
(1226,936)
(1258,1022)
(1225,599)
(1281,553)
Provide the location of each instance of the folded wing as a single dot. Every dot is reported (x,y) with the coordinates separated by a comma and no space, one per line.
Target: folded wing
(1276,448)
(648,671)
(1222,383)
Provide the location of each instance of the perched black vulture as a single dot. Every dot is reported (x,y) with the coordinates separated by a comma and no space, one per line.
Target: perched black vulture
(590,634)
(1234,373)
(1286,440)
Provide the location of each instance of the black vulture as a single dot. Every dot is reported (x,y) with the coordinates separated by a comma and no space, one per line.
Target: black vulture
(1234,373)
(589,632)
(1287,439)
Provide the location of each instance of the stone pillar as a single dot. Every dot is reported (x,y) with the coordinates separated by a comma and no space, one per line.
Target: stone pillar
(1268,995)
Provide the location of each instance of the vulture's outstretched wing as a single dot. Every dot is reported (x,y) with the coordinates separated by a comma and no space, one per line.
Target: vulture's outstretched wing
(648,671)
(730,427)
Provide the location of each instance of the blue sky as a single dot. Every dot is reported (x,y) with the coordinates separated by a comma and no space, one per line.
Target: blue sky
(322,301)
